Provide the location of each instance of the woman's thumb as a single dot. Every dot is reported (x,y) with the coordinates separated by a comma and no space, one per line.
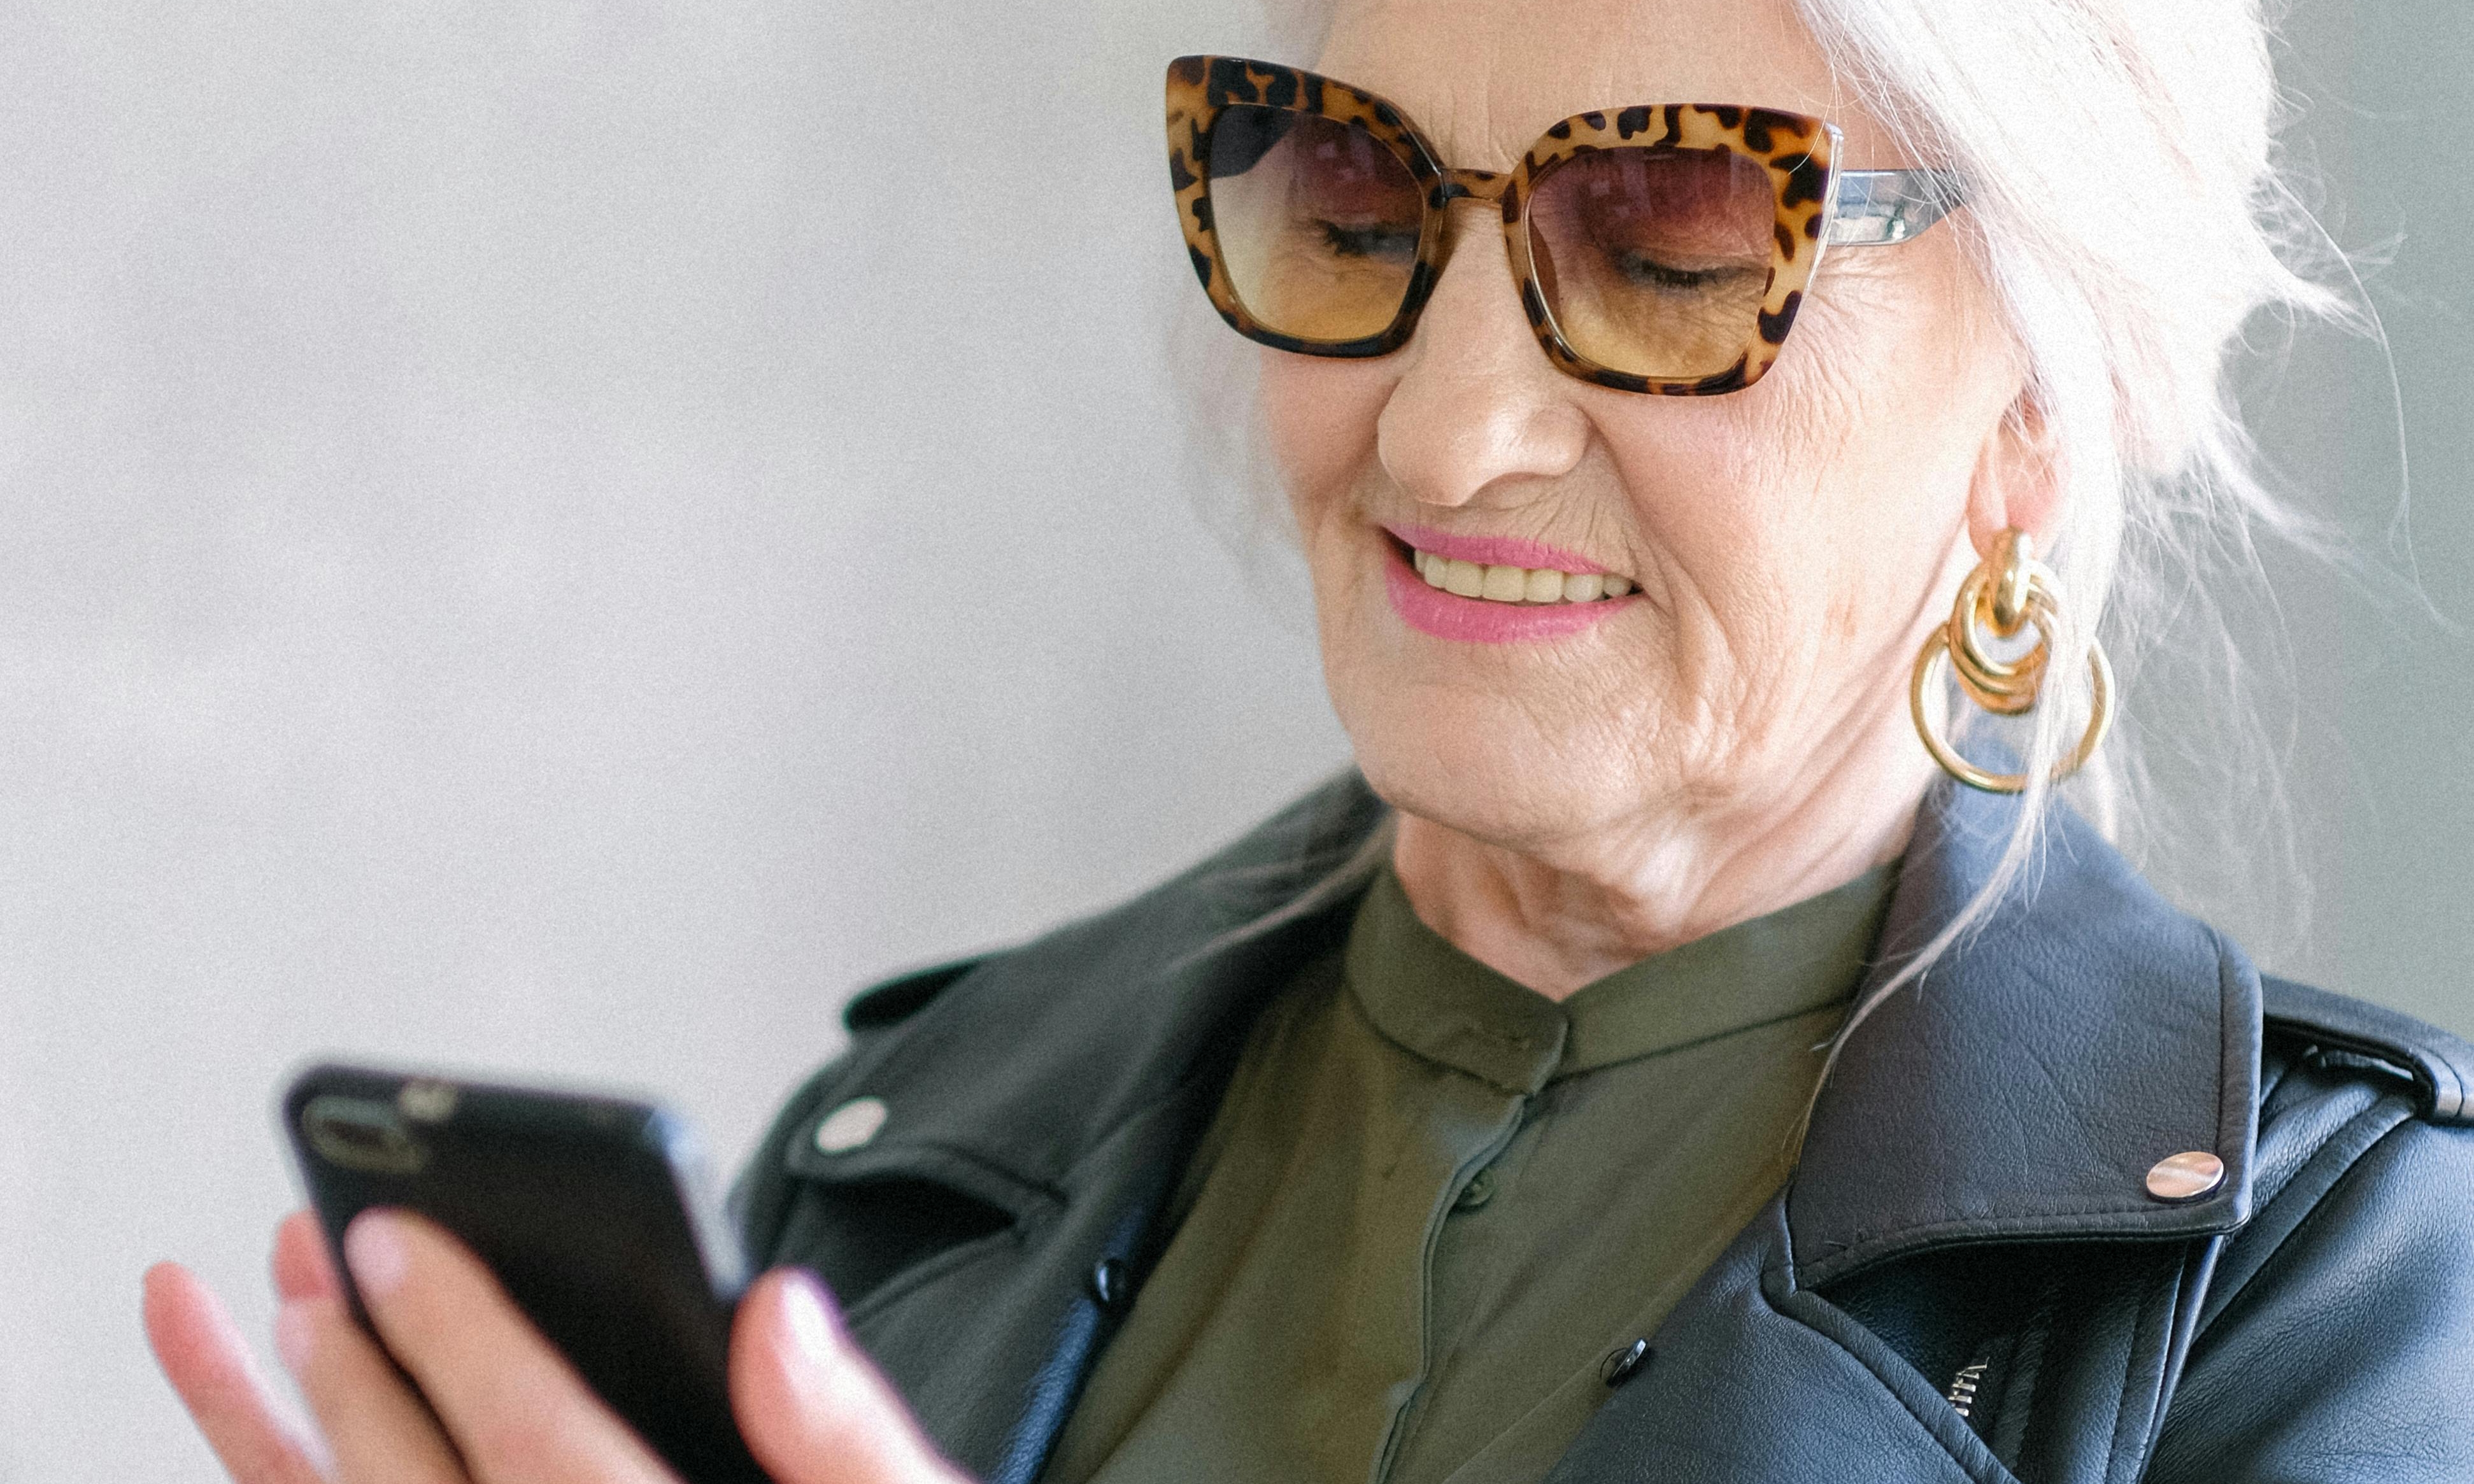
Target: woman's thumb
(813,1408)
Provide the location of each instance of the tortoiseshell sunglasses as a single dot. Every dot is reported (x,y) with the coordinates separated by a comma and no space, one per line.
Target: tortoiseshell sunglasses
(1660,248)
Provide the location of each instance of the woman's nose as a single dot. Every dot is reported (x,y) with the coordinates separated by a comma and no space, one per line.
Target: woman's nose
(1477,405)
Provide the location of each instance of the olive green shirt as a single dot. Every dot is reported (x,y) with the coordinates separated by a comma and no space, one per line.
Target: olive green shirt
(1433,1200)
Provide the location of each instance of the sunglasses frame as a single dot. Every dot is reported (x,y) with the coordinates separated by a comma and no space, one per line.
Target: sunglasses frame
(1816,205)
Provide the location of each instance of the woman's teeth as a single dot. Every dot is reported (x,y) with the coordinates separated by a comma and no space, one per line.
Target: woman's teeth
(1516,583)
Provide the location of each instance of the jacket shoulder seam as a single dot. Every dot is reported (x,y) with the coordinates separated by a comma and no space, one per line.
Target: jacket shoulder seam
(2440,1066)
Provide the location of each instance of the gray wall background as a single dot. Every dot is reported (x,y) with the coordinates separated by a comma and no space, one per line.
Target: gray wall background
(565,537)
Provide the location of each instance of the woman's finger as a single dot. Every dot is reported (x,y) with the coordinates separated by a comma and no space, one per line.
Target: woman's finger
(202,1354)
(812,1406)
(379,1431)
(515,1408)
(301,1268)
(376,1429)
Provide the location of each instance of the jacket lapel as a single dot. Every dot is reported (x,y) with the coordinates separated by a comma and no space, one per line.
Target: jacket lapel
(2019,1094)
(1749,1379)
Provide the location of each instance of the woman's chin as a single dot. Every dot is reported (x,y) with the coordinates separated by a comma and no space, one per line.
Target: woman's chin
(1508,742)
(1492,788)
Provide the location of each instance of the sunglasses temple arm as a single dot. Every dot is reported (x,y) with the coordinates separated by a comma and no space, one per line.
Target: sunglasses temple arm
(1878,207)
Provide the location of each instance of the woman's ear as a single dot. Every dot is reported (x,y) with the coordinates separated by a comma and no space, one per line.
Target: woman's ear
(2017,479)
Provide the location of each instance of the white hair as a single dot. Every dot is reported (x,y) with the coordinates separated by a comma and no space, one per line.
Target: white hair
(2128,205)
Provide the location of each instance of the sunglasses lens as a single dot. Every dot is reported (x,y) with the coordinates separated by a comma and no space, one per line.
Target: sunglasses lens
(1654,262)
(1317,222)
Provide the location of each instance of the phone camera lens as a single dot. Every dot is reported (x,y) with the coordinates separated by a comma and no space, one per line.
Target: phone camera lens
(361,1135)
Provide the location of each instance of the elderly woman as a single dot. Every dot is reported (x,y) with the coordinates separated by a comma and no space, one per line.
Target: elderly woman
(1647,1065)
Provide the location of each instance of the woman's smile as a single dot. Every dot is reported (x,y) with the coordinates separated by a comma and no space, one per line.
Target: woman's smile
(1495,590)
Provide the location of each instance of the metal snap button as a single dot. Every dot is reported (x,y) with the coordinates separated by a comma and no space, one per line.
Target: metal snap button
(851,1125)
(1108,1281)
(1624,1362)
(2186,1176)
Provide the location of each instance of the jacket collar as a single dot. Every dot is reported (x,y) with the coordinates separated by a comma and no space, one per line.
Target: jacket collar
(2027,1084)
(2022,1090)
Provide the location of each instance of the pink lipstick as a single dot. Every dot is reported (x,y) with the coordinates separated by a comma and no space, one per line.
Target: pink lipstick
(1446,615)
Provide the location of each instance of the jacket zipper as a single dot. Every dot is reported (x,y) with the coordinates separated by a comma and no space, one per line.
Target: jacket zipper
(1963,1386)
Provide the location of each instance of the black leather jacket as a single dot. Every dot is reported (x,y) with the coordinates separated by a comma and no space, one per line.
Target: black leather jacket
(1966,1279)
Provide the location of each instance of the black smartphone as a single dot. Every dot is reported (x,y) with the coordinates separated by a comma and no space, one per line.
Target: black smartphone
(592,1211)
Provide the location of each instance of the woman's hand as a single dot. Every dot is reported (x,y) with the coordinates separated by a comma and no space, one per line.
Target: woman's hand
(508,1407)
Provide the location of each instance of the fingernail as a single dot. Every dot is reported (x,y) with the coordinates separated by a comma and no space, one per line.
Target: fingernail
(292,1336)
(373,1250)
(301,1266)
(811,1330)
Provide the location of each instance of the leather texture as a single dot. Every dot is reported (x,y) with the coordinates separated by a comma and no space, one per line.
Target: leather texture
(1970,1202)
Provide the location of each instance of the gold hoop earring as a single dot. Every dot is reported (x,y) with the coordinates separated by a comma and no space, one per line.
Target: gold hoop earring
(2007,591)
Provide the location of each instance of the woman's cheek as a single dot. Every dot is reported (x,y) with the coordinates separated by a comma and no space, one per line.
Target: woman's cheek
(1320,416)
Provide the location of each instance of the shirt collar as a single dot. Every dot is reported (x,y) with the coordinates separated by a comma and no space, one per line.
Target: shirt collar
(1434,1000)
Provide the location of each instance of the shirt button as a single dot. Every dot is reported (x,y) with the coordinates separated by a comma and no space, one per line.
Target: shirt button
(1624,1362)
(1477,1193)
(851,1125)
(1108,1281)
